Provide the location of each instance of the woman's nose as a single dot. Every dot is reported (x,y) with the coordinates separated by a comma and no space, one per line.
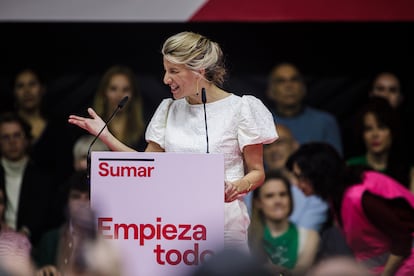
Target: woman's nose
(167,79)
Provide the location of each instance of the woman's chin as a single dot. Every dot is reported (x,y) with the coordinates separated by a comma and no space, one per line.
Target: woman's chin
(176,96)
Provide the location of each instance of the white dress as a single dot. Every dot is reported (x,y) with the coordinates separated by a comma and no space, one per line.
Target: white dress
(233,123)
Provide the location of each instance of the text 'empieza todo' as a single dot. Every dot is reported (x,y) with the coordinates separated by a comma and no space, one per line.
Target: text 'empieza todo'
(159,231)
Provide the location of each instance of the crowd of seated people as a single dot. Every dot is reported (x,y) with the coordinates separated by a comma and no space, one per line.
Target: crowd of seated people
(43,166)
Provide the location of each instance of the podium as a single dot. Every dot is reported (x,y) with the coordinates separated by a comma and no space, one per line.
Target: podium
(164,212)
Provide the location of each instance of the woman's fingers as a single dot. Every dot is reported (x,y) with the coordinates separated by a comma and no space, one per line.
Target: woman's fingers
(91,124)
(92,113)
(231,192)
(78,121)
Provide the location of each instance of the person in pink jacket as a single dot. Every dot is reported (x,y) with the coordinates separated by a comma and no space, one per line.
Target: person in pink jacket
(374,211)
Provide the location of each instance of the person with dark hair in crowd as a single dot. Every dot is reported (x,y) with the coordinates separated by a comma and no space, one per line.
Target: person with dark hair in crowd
(51,139)
(29,189)
(272,235)
(29,91)
(374,211)
(238,126)
(129,124)
(287,92)
(378,126)
(387,85)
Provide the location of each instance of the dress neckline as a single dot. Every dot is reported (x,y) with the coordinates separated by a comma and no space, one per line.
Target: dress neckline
(218,101)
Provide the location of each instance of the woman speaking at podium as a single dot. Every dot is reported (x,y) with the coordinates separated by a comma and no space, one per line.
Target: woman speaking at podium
(202,117)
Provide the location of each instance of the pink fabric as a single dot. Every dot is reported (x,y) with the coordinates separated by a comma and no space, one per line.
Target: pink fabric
(15,252)
(13,243)
(365,239)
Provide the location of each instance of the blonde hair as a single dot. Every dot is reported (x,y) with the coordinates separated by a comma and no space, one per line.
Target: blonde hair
(134,109)
(81,146)
(197,52)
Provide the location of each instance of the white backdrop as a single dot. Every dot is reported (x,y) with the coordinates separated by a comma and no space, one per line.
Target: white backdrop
(99,10)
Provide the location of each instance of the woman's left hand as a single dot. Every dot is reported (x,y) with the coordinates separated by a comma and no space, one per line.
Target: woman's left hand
(231,192)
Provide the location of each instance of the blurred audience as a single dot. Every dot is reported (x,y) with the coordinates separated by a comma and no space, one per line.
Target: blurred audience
(385,85)
(80,152)
(56,248)
(272,236)
(377,225)
(29,189)
(308,212)
(128,125)
(74,248)
(287,91)
(375,212)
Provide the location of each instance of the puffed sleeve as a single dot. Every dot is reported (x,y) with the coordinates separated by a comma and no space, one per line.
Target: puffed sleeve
(256,124)
(156,128)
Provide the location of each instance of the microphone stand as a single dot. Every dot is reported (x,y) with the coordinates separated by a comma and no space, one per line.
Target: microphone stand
(204,100)
(88,156)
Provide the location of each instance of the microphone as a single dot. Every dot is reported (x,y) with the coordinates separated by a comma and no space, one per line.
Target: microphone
(88,156)
(204,100)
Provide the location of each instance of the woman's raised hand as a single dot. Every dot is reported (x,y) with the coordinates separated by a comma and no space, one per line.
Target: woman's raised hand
(93,125)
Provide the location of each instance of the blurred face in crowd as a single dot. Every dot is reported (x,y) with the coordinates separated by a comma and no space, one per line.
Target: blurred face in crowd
(78,202)
(276,154)
(182,81)
(302,182)
(286,86)
(274,200)
(387,86)
(13,141)
(377,136)
(81,163)
(119,86)
(28,91)
(339,266)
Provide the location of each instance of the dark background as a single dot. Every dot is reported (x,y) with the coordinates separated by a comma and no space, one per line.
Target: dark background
(338,59)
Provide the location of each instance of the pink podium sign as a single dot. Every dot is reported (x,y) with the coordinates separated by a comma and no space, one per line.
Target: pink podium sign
(164,212)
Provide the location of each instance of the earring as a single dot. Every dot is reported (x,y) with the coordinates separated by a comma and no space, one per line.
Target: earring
(197,87)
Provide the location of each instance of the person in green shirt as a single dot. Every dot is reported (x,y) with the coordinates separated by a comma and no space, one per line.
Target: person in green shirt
(273,238)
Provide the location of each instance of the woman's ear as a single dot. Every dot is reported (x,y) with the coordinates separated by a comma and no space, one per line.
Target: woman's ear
(202,71)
